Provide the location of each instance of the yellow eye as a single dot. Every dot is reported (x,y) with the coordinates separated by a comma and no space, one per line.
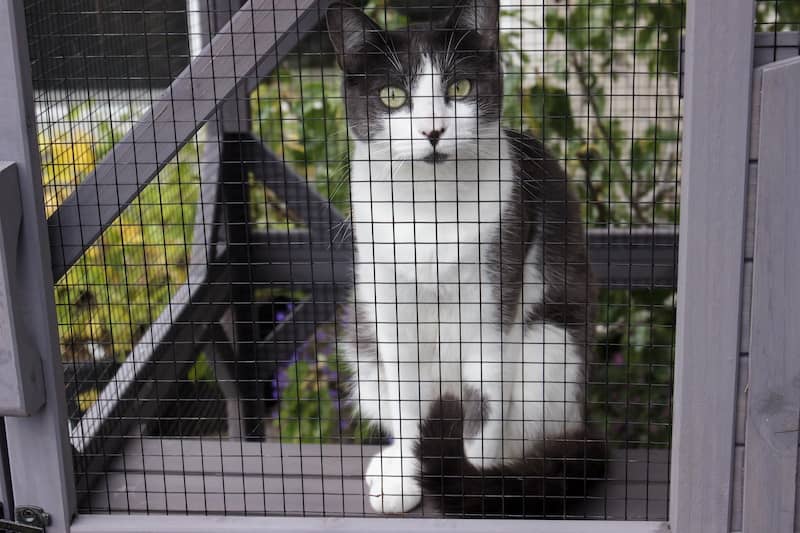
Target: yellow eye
(393,96)
(459,89)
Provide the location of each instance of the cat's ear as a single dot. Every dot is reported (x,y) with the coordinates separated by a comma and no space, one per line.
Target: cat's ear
(482,16)
(348,28)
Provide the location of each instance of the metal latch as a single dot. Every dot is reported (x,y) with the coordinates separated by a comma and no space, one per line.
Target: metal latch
(29,519)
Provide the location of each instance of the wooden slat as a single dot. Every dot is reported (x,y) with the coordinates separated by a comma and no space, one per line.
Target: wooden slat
(620,259)
(633,259)
(156,475)
(738,488)
(254,42)
(773,407)
(741,400)
(713,194)
(238,524)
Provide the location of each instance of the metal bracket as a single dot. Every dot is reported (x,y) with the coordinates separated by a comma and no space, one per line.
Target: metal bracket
(29,519)
(21,379)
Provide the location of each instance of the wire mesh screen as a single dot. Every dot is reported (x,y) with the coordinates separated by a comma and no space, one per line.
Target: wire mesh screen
(419,258)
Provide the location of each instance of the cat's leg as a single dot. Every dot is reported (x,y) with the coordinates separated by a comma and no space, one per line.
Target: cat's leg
(483,375)
(549,387)
(391,476)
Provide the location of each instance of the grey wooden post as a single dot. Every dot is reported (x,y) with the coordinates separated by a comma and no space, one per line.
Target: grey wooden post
(40,460)
(719,51)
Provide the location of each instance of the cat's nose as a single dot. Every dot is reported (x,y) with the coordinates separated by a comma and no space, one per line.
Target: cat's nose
(433,135)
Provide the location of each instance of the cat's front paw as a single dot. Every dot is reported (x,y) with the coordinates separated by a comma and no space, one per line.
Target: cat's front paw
(392,482)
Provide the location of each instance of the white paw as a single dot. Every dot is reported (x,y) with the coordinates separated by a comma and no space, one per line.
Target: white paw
(392,482)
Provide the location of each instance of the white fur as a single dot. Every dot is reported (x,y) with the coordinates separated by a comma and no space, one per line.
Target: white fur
(423,236)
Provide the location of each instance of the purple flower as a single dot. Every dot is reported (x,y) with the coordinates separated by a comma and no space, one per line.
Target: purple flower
(617,359)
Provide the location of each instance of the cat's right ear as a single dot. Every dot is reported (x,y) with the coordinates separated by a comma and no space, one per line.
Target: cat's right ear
(348,28)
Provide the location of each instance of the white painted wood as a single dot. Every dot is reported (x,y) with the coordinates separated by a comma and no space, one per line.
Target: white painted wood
(773,409)
(234,524)
(21,384)
(713,191)
(39,454)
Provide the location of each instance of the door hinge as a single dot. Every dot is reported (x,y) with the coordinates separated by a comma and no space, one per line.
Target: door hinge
(28,519)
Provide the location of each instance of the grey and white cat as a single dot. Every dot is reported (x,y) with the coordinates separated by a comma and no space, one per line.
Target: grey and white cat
(471,302)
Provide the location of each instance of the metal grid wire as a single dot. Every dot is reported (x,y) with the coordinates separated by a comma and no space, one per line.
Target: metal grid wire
(205,333)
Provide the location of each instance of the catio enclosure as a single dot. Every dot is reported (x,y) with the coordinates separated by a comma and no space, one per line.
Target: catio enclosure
(178,259)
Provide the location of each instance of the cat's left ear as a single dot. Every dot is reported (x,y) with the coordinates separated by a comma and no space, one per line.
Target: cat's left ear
(482,16)
(349,29)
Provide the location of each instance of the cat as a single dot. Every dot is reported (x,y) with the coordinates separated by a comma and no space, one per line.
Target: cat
(470,318)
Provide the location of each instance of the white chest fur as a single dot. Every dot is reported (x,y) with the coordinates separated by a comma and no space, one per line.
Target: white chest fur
(425,223)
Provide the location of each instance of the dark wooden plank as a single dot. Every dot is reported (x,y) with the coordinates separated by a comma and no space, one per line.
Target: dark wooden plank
(633,259)
(773,408)
(775,46)
(713,194)
(207,475)
(296,192)
(620,259)
(254,42)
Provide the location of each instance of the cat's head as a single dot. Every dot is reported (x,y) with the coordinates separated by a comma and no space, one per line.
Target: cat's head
(428,92)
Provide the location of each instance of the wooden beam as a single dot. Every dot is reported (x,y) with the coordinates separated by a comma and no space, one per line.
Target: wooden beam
(252,524)
(38,448)
(297,193)
(773,398)
(252,44)
(713,191)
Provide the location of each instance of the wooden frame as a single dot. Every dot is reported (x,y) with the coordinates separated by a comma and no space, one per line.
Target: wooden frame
(29,451)
(711,269)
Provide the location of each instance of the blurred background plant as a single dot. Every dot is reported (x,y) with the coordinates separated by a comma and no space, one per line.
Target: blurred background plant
(603,95)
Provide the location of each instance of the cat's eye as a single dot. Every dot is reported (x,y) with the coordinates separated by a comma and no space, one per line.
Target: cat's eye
(393,96)
(459,89)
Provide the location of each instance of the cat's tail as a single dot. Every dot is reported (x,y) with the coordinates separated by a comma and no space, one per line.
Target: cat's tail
(553,482)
